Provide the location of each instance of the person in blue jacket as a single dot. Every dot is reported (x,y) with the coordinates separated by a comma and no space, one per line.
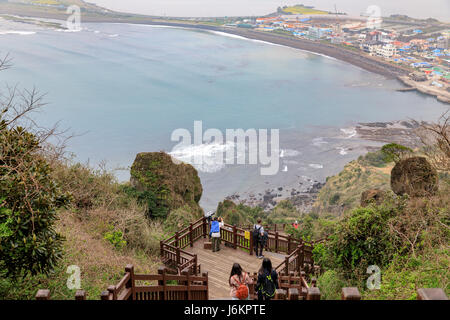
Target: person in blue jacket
(215,235)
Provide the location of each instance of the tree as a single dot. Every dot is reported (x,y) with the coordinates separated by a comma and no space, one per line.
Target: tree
(395,152)
(29,197)
(436,140)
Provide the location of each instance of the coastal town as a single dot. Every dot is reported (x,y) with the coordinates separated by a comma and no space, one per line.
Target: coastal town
(420,47)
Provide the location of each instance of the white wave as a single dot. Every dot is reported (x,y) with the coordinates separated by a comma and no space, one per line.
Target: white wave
(285,169)
(205,157)
(289,153)
(225,34)
(70,30)
(349,132)
(342,151)
(22,33)
(318,142)
(316,166)
(113,35)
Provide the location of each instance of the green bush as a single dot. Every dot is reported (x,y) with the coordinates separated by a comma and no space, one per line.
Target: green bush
(155,206)
(404,275)
(115,238)
(331,284)
(376,159)
(362,239)
(29,199)
(394,152)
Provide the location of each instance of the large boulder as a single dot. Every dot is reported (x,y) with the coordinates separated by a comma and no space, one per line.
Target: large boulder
(376,196)
(415,177)
(166,184)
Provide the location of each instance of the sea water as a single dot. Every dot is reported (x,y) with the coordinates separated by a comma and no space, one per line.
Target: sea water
(123,89)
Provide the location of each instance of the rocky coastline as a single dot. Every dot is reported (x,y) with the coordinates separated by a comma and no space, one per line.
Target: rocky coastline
(303,197)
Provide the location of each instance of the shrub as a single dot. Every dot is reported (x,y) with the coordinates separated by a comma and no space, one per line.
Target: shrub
(331,284)
(115,238)
(394,152)
(29,201)
(362,239)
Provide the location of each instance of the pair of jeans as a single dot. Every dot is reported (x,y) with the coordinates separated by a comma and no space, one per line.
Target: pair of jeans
(215,244)
(260,245)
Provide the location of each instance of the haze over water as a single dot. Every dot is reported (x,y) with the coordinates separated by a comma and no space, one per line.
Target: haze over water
(439,9)
(128,87)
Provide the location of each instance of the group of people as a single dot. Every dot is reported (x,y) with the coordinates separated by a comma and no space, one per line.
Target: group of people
(259,235)
(266,285)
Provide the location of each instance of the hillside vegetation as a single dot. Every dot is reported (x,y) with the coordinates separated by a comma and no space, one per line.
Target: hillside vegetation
(343,191)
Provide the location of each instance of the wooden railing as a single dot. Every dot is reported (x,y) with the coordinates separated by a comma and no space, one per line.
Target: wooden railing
(173,255)
(183,287)
(272,228)
(300,260)
(166,286)
(171,250)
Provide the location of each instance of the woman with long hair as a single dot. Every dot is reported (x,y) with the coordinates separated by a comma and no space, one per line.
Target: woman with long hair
(267,281)
(239,281)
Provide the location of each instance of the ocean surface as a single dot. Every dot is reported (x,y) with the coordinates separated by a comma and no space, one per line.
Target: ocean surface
(124,89)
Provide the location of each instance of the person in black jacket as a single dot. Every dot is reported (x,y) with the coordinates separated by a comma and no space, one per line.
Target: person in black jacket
(267,281)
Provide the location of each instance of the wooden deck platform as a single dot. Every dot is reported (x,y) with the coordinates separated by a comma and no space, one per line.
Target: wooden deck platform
(218,265)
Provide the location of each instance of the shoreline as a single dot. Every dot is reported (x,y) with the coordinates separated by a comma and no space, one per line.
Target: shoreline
(368,63)
(356,58)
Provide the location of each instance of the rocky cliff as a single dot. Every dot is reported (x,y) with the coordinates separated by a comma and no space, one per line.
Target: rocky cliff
(166,185)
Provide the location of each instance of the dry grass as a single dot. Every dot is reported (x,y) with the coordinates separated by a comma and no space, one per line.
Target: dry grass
(100,263)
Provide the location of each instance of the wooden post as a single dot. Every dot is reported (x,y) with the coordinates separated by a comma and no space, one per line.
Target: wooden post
(104,295)
(176,239)
(276,242)
(204,227)
(195,264)
(293,294)
(280,294)
(80,295)
(130,284)
(234,237)
(112,290)
(251,244)
(43,294)
(187,283)
(289,244)
(431,294)
(205,283)
(275,227)
(313,294)
(161,271)
(164,297)
(351,293)
(178,257)
(286,263)
(161,246)
(191,240)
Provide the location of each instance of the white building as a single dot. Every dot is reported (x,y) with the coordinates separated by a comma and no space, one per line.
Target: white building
(387,51)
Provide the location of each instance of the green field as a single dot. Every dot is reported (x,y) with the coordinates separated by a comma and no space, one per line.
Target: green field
(303,10)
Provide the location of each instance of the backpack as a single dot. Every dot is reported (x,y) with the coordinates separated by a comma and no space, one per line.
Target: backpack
(268,288)
(242,291)
(256,233)
(265,237)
